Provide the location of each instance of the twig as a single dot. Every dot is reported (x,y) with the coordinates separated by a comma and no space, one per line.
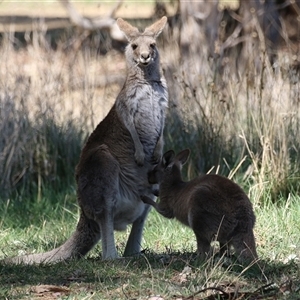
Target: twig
(115,9)
(92,24)
(205,290)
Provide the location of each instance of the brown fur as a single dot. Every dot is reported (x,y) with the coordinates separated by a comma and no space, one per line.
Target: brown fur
(215,207)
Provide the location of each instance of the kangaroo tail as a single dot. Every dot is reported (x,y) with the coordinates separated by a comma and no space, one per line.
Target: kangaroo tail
(87,234)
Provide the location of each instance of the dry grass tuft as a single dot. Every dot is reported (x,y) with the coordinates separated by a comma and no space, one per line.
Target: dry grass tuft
(243,120)
(234,117)
(49,102)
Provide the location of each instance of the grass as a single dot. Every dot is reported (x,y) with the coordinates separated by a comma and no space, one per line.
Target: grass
(168,266)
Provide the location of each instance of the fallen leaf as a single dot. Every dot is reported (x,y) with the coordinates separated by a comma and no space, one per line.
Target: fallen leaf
(40,289)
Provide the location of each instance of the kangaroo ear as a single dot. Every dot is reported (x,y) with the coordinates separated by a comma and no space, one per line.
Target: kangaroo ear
(129,30)
(183,156)
(156,28)
(168,157)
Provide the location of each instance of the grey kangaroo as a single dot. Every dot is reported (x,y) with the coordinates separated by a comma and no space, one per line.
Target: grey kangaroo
(213,206)
(112,171)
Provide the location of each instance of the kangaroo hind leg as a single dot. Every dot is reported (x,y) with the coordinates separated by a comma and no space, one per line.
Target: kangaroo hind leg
(203,247)
(133,245)
(98,189)
(244,245)
(106,222)
(224,248)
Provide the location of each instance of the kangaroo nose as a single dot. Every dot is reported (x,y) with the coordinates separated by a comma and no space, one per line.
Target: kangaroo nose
(145,55)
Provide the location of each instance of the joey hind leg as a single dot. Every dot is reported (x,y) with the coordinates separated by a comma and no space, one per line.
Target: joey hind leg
(244,245)
(203,247)
(133,245)
(224,249)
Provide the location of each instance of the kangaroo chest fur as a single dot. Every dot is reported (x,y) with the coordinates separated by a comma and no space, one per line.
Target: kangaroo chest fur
(146,102)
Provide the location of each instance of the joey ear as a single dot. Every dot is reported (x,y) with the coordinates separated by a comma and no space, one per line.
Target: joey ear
(156,28)
(168,157)
(129,30)
(183,156)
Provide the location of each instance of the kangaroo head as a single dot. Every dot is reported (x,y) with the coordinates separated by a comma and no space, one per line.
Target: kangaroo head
(170,165)
(142,49)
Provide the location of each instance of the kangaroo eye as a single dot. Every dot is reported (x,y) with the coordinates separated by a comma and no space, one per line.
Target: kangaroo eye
(152,45)
(133,46)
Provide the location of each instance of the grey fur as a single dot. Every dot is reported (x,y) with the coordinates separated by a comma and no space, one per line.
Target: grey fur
(112,172)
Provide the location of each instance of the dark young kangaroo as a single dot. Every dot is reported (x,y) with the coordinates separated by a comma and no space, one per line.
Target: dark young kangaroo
(213,206)
(112,172)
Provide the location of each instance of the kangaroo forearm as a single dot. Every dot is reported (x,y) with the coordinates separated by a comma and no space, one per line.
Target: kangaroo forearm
(149,201)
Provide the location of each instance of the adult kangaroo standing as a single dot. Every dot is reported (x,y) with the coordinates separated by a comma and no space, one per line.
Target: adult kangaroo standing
(112,172)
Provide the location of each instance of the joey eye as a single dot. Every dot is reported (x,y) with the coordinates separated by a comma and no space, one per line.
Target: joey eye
(152,45)
(133,46)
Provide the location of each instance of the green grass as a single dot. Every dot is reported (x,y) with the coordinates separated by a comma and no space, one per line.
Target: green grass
(168,266)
